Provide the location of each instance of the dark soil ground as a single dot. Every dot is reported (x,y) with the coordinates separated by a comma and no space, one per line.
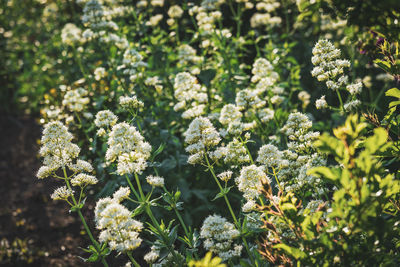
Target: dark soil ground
(34,230)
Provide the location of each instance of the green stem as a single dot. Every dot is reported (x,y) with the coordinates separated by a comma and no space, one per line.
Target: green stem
(340,100)
(230,209)
(131,186)
(132,259)
(87,229)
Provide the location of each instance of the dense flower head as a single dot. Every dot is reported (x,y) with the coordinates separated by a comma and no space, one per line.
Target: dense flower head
(76,99)
(296,125)
(83,180)
(200,136)
(328,65)
(71,34)
(230,113)
(57,148)
(99,73)
(225,176)
(262,68)
(130,102)
(62,193)
(321,103)
(250,181)
(219,236)
(175,12)
(249,99)
(118,229)
(105,119)
(121,194)
(190,94)
(270,156)
(186,54)
(352,105)
(153,255)
(127,146)
(156,181)
(236,153)
(266,114)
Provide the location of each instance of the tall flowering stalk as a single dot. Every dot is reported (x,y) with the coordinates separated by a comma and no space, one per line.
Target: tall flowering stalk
(60,154)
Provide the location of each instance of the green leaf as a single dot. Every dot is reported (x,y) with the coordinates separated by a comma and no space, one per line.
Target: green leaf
(324,172)
(206,76)
(294,252)
(222,193)
(393,92)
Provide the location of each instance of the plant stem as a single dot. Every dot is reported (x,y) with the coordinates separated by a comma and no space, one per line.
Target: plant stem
(340,100)
(230,208)
(87,229)
(132,259)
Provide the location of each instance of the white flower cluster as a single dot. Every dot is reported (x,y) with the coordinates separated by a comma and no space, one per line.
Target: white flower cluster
(155,181)
(175,12)
(130,102)
(62,193)
(118,229)
(105,119)
(127,146)
(187,54)
(219,236)
(83,180)
(201,136)
(71,34)
(57,149)
(270,156)
(321,103)
(352,105)
(250,181)
(99,73)
(297,129)
(266,19)
(328,66)
(132,64)
(225,176)
(96,18)
(152,256)
(76,100)
(236,153)
(190,95)
(206,17)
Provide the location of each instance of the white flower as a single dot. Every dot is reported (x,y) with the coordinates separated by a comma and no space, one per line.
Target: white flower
(225,176)
(105,118)
(156,181)
(270,156)
(229,113)
(352,105)
(71,34)
(62,193)
(121,194)
(127,146)
(354,88)
(99,73)
(75,100)
(219,235)
(250,181)
(130,102)
(175,12)
(321,103)
(83,180)
(250,205)
(200,136)
(152,256)
(118,229)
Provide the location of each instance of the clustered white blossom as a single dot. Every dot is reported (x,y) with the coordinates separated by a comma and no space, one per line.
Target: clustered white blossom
(327,64)
(265,19)
(155,181)
(130,102)
(99,73)
(250,181)
(321,103)
(62,193)
(190,94)
(352,105)
(153,255)
(132,64)
(76,100)
(83,180)
(225,176)
(187,54)
(270,156)
(57,149)
(71,34)
(201,136)
(105,119)
(219,236)
(128,147)
(118,229)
